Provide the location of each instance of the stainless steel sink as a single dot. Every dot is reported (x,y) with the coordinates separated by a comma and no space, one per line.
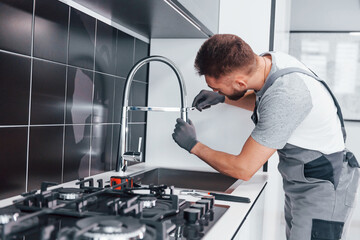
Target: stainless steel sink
(206,181)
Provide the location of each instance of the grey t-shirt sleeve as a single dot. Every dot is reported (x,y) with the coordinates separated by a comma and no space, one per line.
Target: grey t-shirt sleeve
(281,110)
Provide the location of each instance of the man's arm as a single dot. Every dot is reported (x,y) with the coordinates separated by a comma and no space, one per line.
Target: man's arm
(246,102)
(243,166)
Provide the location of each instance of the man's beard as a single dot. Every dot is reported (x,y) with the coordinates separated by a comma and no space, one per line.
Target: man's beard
(236,95)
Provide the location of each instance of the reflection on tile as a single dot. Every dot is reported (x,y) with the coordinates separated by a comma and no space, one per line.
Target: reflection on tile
(118,102)
(124,54)
(138,97)
(15,25)
(48,93)
(13,161)
(79,96)
(51,30)
(14,89)
(105,48)
(103,107)
(101,148)
(141,51)
(45,155)
(82,39)
(76,152)
(115,145)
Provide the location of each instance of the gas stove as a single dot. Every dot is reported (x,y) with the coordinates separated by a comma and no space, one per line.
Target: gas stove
(120,210)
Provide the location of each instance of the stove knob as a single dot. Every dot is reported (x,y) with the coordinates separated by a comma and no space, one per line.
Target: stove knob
(211,198)
(191,215)
(201,207)
(206,203)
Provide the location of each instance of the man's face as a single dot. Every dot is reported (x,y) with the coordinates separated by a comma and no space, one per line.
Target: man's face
(236,95)
(228,85)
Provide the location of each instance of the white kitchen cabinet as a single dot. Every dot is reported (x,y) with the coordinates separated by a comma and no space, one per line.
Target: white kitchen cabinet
(252,227)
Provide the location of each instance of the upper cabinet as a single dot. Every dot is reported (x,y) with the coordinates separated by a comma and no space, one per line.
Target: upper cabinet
(204,12)
(160,18)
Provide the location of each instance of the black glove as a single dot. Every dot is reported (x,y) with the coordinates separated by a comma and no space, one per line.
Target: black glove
(207,98)
(184,134)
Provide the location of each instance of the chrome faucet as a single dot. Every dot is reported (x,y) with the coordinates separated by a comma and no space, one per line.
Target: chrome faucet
(124,156)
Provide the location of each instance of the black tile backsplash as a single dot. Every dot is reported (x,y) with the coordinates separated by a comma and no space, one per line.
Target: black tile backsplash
(76,152)
(15,25)
(48,93)
(115,144)
(141,51)
(14,89)
(79,96)
(124,54)
(45,155)
(81,40)
(101,148)
(105,48)
(13,143)
(61,88)
(118,99)
(51,30)
(103,106)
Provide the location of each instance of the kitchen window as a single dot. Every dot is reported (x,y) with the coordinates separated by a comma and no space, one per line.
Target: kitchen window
(334,57)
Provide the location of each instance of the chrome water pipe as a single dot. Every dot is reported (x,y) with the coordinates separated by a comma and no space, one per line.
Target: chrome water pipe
(124,156)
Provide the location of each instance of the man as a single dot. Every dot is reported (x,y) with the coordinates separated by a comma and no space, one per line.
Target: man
(296,115)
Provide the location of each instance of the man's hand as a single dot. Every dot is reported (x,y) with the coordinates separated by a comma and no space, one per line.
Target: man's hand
(184,134)
(207,98)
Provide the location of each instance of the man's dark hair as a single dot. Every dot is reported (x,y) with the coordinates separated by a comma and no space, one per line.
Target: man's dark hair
(223,53)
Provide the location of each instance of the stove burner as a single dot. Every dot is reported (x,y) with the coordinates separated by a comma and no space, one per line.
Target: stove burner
(112,227)
(103,213)
(70,193)
(148,201)
(6,218)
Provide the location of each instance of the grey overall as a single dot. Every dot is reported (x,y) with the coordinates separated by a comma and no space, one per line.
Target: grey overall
(319,189)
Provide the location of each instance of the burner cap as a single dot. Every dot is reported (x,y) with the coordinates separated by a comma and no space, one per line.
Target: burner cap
(112,227)
(6,218)
(148,201)
(70,193)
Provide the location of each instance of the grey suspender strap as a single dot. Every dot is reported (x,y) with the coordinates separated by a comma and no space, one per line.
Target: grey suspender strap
(289,70)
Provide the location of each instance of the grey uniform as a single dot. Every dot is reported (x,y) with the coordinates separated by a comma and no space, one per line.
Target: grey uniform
(319,188)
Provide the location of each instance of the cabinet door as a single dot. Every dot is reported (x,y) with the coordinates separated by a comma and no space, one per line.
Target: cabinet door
(252,228)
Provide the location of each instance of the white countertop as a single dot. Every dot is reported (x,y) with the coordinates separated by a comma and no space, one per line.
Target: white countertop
(230,221)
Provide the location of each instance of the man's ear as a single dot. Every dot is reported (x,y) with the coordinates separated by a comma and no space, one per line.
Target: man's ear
(240,84)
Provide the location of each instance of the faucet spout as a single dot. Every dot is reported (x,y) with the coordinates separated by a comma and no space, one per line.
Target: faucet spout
(121,159)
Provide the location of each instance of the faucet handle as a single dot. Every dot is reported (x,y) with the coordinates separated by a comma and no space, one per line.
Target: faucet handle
(132,156)
(139,144)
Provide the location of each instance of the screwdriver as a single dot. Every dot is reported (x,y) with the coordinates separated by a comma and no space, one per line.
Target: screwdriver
(230,198)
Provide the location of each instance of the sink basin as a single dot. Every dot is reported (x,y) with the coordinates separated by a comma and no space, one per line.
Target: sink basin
(206,181)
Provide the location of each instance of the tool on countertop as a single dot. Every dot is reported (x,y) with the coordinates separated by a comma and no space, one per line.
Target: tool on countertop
(230,198)
(218,196)
(160,109)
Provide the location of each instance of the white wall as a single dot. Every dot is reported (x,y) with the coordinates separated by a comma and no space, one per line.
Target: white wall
(282,25)
(249,19)
(325,15)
